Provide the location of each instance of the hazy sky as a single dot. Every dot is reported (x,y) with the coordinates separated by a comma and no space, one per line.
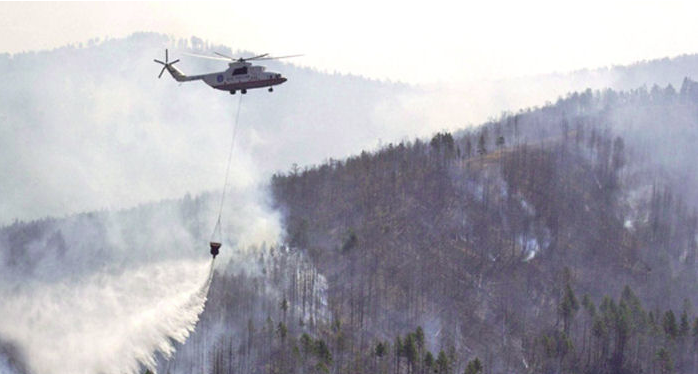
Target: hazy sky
(417,42)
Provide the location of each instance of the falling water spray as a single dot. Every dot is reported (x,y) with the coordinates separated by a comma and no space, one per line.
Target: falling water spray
(106,322)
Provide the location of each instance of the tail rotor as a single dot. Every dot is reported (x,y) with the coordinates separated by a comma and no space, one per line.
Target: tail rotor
(165,64)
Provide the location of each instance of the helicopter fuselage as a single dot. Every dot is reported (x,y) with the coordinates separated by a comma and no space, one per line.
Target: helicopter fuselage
(240,76)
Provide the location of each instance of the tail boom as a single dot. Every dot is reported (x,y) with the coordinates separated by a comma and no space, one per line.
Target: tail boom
(179,76)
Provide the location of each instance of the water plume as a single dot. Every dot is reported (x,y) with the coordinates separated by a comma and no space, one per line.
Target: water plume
(107,322)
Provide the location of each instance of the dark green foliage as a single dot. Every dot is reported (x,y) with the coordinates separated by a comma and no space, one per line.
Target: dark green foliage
(482,143)
(410,350)
(468,147)
(306,344)
(589,306)
(428,360)
(442,363)
(557,345)
(419,338)
(443,142)
(664,361)
(350,241)
(671,329)
(624,339)
(685,326)
(380,350)
(474,366)
(399,347)
(299,234)
(568,307)
(282,330)
(600,328)
(284,308)
(322,351)
(322,367)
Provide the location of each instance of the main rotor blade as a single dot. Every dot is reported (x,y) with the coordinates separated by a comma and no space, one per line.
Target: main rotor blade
(255,57)
(159,62)
(161,71)
(166,55)
(208,57)
(226,56)
(277,58)
(241,58)
(174,62)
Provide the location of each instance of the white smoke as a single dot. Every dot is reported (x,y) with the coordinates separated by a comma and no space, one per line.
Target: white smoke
(105,323)
(92,128)
(108,292)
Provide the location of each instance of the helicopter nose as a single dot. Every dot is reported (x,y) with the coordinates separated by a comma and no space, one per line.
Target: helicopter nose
(283,79)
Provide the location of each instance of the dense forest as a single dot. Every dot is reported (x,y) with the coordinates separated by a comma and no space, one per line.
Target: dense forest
(557,239)
(553,240)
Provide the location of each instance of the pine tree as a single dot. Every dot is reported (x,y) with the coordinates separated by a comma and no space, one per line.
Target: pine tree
(671,329)
(410,351)
(482,142)
(568,307)
(380,350)
(428,361)
(474,366)
(284,307)
(664,361)
(685,326)
(442,366)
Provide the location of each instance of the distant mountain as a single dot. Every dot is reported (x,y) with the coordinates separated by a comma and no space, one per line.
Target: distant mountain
(478,101)
(90,127)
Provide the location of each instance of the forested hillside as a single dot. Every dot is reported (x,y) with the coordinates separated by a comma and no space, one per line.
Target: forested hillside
(559,239)
(554,240)
(498,242)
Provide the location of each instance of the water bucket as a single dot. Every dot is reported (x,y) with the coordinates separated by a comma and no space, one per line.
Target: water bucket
(214,248)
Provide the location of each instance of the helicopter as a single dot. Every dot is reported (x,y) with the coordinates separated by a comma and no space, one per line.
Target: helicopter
(241,75)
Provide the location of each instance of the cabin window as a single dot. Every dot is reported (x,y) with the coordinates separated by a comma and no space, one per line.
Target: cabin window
(240,71)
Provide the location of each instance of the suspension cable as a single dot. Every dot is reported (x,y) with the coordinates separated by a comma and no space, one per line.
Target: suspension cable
(227,169)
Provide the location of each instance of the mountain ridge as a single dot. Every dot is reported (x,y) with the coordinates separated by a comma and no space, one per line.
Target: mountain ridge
(480,240)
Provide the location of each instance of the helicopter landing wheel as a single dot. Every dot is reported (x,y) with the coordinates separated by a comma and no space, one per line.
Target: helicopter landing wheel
(271,89)
(243,91)
(232,92)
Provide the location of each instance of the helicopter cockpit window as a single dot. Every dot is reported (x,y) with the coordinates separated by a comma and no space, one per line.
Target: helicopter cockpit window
(240,71)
